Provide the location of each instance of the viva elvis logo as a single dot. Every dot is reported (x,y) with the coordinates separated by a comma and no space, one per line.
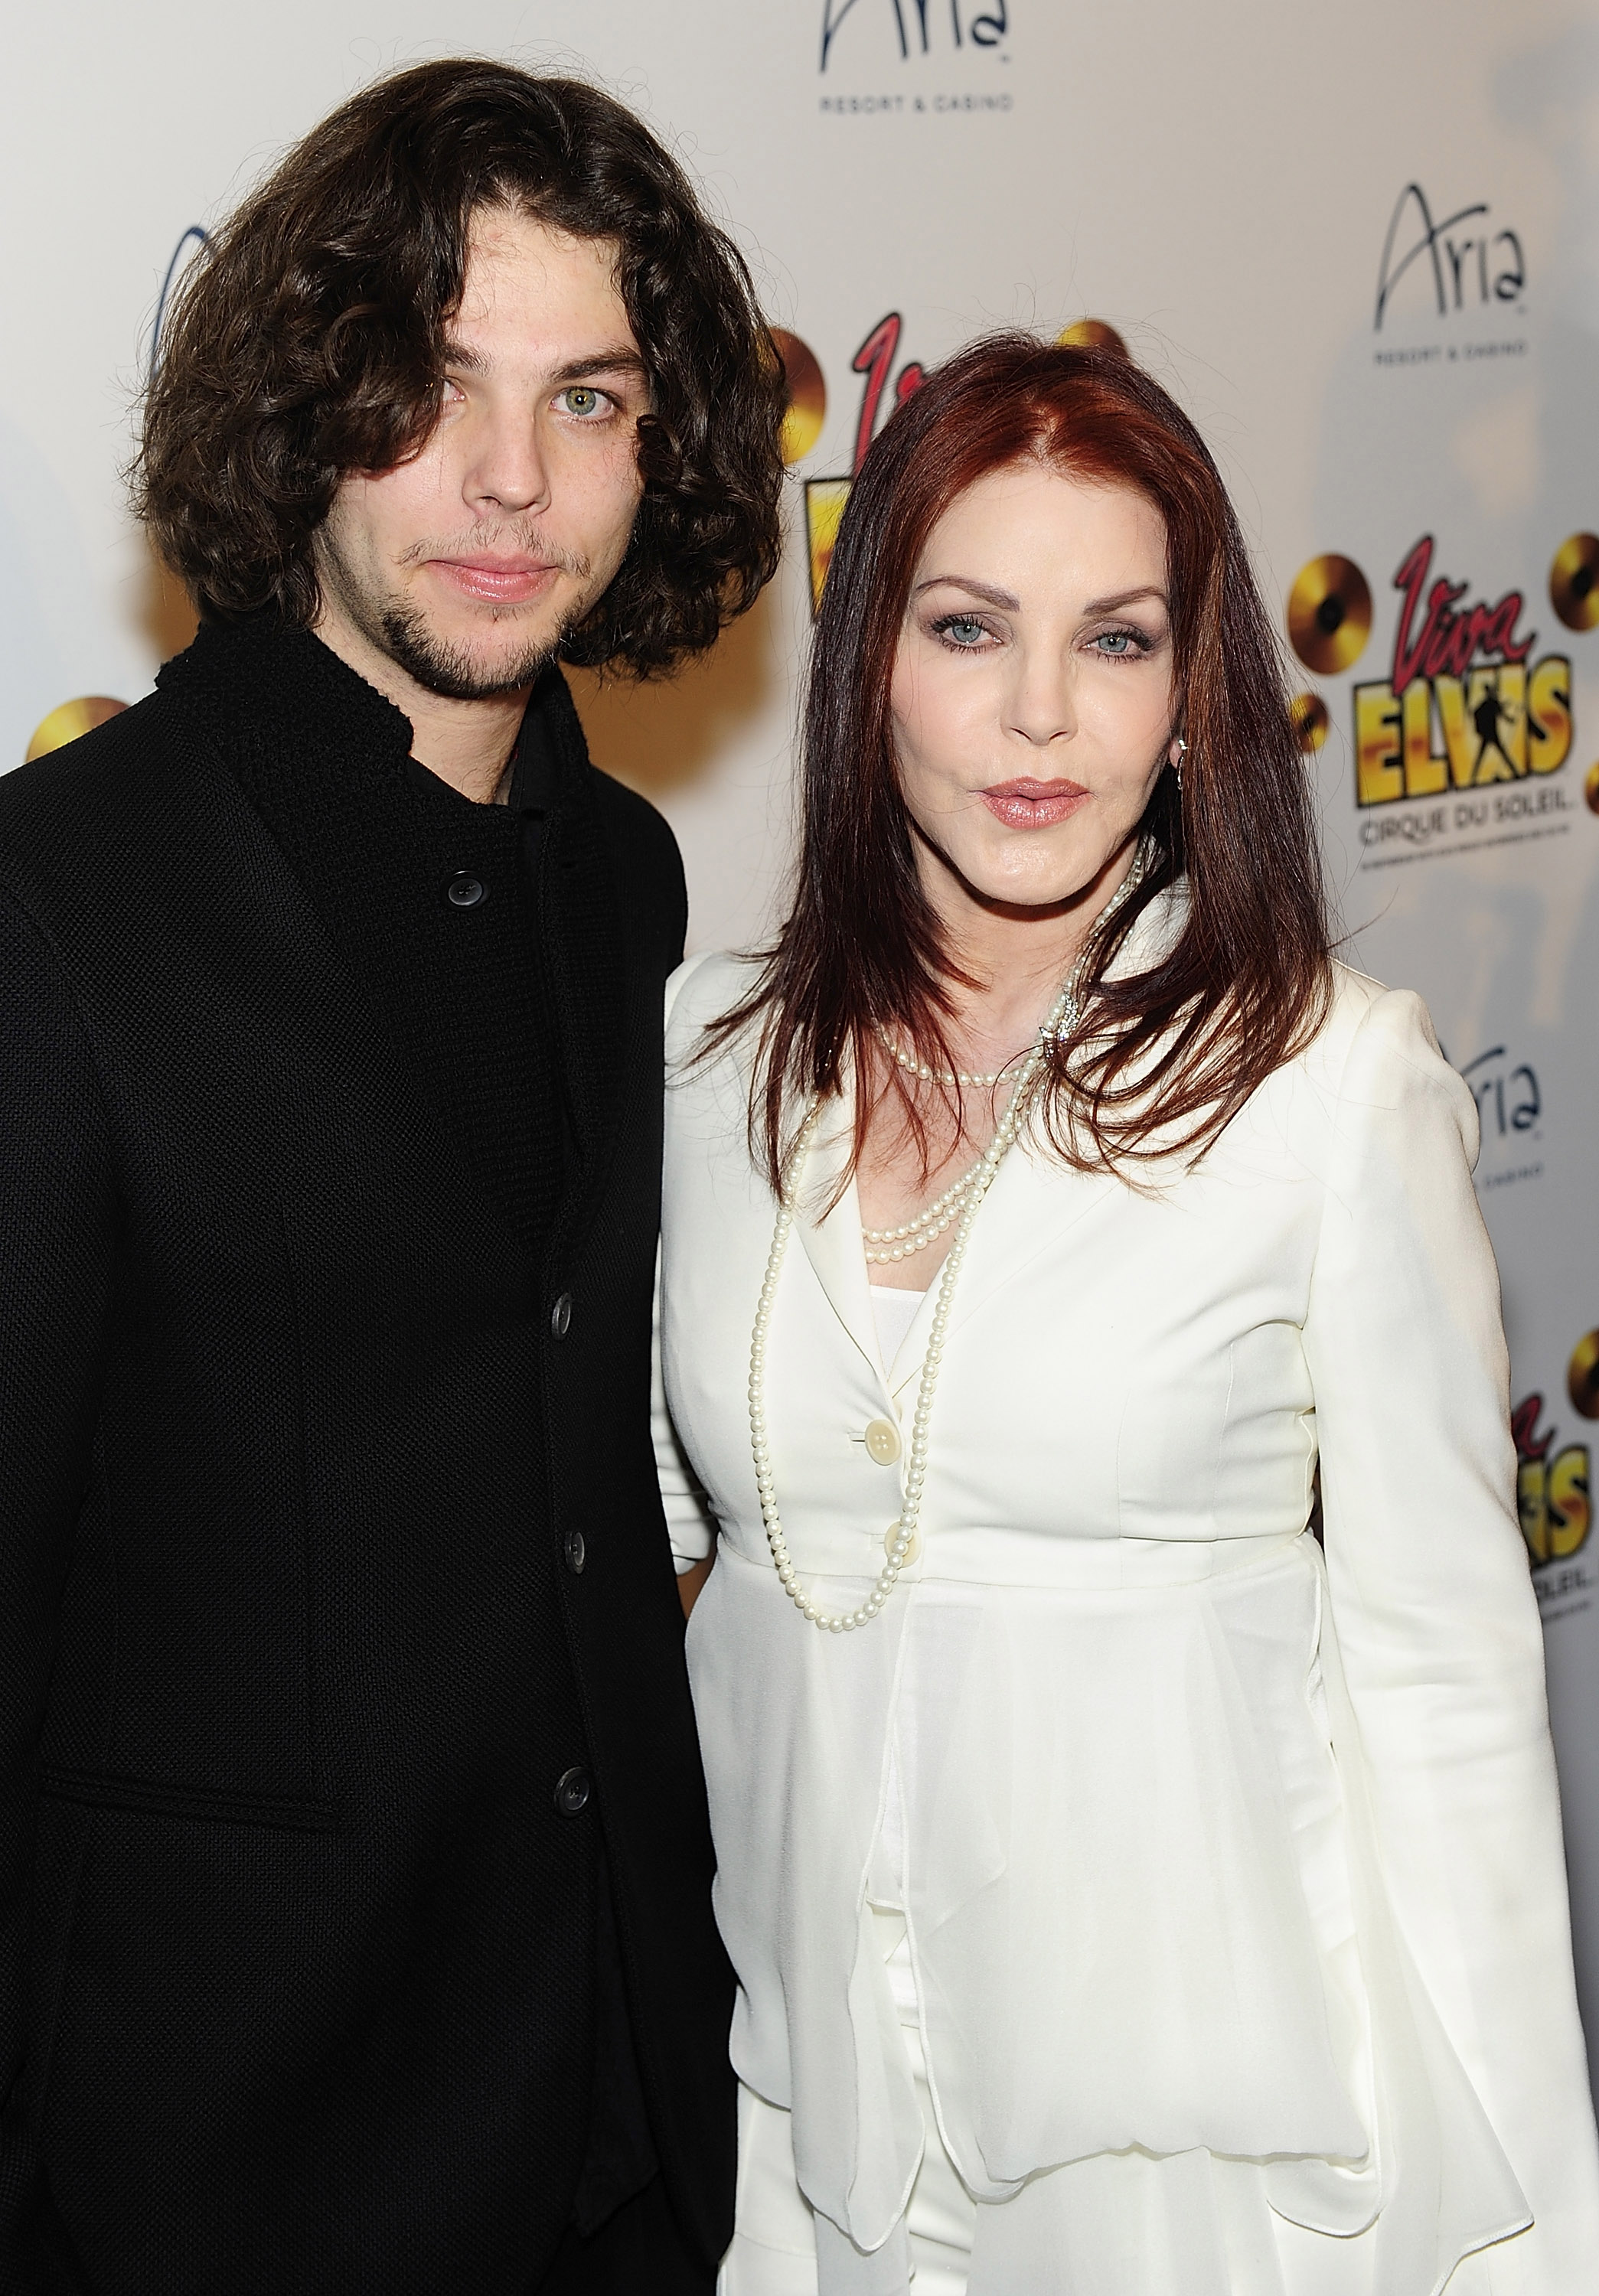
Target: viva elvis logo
(1553,1488)
(1463,706)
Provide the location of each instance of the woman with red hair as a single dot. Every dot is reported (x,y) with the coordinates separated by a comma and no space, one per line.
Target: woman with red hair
(1126,1899)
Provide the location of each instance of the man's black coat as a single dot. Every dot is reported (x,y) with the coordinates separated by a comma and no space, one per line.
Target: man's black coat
(301,1691)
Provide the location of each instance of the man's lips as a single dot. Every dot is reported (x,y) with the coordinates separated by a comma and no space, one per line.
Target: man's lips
(1028,804)
(504,581)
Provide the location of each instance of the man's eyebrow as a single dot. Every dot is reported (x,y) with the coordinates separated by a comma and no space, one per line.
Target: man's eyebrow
(623,359)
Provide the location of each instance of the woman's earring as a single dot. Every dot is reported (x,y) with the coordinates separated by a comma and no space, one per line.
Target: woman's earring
(1177,763)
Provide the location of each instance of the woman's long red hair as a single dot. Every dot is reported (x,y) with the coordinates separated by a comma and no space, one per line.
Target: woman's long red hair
(1163,1058)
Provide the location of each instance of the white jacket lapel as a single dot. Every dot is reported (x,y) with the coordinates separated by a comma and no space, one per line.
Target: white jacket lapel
(833,1242)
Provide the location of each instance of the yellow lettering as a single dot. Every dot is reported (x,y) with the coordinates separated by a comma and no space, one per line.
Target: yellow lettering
(1531,1508)
(1487,713)
(824,500)
(1569,1508)
(1425,776)
(1460,735)
(1379,778)
(1513,718)
(1549,710)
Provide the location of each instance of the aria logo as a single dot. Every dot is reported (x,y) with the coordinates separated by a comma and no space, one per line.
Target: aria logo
(1471,265)
(915,27)
(1508,1099)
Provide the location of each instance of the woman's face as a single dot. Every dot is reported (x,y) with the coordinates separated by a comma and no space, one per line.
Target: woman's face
(1032,687)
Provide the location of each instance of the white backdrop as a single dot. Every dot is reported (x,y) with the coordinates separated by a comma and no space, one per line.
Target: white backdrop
(1362,247)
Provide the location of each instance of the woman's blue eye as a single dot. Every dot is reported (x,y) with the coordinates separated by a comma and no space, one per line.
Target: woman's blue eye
(963,630)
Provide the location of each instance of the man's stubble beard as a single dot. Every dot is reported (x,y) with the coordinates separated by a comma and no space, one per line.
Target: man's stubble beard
(399,627)
(449,670)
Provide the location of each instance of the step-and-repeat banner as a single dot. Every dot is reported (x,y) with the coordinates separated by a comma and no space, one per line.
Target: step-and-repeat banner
(1363,248)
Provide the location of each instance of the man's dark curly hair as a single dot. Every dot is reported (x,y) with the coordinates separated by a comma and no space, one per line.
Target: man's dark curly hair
(305,342)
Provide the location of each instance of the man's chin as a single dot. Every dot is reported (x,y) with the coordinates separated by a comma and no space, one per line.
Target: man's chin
(482,667)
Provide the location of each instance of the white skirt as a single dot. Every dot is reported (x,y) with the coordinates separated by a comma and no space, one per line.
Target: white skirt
(774,2249)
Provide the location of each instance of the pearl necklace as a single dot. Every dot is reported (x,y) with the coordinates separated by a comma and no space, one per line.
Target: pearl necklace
(935,1076)
(917,1234)
(901,1539)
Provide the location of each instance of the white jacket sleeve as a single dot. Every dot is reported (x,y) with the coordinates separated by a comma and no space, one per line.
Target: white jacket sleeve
(1437,1619)
(688,1516)
(689,1519)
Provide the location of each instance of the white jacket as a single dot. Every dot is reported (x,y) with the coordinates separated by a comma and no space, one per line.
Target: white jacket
(1232,1882)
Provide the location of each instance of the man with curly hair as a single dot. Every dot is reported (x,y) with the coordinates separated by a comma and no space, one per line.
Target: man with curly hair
(354,1919)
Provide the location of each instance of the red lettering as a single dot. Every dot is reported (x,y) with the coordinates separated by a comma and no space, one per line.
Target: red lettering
(1447,642)
(1441,626)
(1467,636)
(1409,578)
(873,359)
(1523,1424)
(1499,636)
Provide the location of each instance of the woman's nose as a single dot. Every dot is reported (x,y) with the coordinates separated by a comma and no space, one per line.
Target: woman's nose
(1042,708)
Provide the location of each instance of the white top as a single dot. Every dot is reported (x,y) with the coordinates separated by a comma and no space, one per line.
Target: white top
(893,1312)
(1208,1851)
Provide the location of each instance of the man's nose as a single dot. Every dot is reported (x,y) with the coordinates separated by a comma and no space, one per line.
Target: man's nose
(507,468)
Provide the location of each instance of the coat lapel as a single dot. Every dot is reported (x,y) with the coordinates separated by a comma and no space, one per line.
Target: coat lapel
(1034,1197)
(1033,1200)
(833,1239)
(584,942)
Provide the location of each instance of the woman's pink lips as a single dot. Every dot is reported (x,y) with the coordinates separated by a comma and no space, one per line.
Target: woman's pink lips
(505,584)
(1032,805)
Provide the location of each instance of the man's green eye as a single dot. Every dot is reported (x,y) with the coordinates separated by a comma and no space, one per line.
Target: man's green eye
(581,399)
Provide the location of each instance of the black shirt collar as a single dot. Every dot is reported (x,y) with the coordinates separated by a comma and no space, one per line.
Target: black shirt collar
(284,682)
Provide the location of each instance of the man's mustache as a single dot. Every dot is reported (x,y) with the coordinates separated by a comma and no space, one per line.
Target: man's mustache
(507,538)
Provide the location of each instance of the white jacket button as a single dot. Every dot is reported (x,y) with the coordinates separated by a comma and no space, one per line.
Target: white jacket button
(882,1441)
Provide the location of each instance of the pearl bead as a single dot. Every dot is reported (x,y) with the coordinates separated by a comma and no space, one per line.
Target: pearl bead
(958,1205)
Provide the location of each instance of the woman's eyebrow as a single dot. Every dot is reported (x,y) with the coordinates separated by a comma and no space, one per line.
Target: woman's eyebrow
(1123,598)
(983,590)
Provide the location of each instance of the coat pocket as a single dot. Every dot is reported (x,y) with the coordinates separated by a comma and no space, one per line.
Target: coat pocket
(94,1790)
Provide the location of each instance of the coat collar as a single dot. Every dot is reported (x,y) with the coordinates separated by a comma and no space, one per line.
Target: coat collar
(1032,1199)
(277,702)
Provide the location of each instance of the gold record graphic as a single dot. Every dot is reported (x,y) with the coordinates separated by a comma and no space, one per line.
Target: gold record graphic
(1590,789)
(1307,715)
(1582,1377)
(1093,336)
(807,395)
(72,719)
(1574,581)
(824,500)
(1329,614)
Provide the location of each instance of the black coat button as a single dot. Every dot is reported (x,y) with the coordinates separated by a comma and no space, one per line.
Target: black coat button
(560,1316)
(571,1792)
(576,1551)
(465,892)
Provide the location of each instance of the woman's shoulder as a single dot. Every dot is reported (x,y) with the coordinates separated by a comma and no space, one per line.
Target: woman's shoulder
(1366,1020)
(1377,1049)
(703,987)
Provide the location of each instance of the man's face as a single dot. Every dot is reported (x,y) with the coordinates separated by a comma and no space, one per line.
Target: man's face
(465,565)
